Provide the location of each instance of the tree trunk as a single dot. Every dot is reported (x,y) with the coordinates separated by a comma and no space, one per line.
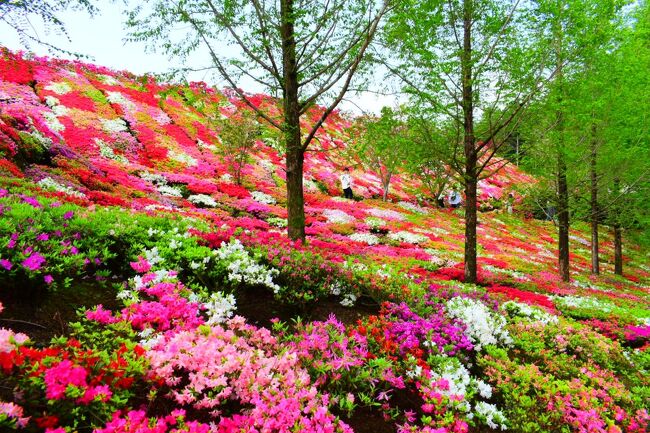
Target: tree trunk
(386,185)
(562,185)
(618,250)
(562,213)
(470,175)
(295,155)
(595,263)
(470,229)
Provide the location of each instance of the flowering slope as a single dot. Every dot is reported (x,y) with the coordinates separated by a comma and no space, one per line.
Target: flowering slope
(112,178)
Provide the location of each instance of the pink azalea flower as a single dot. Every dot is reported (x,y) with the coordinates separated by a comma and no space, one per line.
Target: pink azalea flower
(48,279)
(142,265)
(5,264)
(34,262)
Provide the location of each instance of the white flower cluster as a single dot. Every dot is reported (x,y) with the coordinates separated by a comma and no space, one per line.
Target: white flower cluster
(120,99)
(408,237)
(107,79)
(201,264)
(386,213)
(41,139)
(385,271)
(153,177)
(374,222)
(59,88)
(336,288)
(366,238)
(153,256)
(170,191)
(435,257)
(456,375)
(267,165)
(219,308)
(243,268)
(113,126)
(518,309)
(514,274)
(412,207)
(335,216)
(149,338)
(580,240)
(581,302)
(483,327)
(348,300)
(55,105)
(310,185)
(183,158)
(162,118)
(107,152)
(493,417)
(53,122)
(202,199)
(49,183)
(263,198)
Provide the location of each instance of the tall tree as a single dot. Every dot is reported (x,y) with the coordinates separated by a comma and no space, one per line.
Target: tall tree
(470,60)
(624,178)
(577,31)
(306,51)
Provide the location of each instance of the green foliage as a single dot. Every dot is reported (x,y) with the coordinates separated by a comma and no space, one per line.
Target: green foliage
(383,144)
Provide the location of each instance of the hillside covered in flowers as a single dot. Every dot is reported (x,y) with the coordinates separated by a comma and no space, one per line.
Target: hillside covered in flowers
(116,188)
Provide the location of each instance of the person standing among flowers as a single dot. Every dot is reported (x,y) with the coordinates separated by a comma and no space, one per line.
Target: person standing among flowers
(454,198)
(346,183)
(510,202)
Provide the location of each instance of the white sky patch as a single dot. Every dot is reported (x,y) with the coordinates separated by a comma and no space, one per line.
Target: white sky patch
(101,38)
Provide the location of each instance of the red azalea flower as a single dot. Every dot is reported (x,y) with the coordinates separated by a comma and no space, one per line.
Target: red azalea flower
(48,421)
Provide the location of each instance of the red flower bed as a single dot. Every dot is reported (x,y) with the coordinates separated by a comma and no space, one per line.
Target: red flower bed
(523,296)
(14,69)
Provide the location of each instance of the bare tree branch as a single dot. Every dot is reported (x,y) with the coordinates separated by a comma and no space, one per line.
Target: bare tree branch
(369,35)
(226,75)
(223,21)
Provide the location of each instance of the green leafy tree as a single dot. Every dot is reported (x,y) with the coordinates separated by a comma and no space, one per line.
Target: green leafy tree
(428,155)
(383,144)
(238,135)
(307,52)
(576,31)
(469,60)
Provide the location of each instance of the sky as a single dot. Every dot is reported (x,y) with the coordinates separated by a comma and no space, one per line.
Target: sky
(101,38)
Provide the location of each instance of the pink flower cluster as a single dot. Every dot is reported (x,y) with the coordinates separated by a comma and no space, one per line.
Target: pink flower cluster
(137,421)
(64,376)
(242,364)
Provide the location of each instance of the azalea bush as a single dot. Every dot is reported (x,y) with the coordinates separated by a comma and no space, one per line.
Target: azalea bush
(582,380)
(44,247)
(341,363)
(78,381)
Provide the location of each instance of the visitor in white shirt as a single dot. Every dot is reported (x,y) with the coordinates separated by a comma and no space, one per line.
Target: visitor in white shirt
(454,199)
(346,183)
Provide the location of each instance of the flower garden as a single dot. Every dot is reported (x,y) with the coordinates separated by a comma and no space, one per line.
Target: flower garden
(112,183)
